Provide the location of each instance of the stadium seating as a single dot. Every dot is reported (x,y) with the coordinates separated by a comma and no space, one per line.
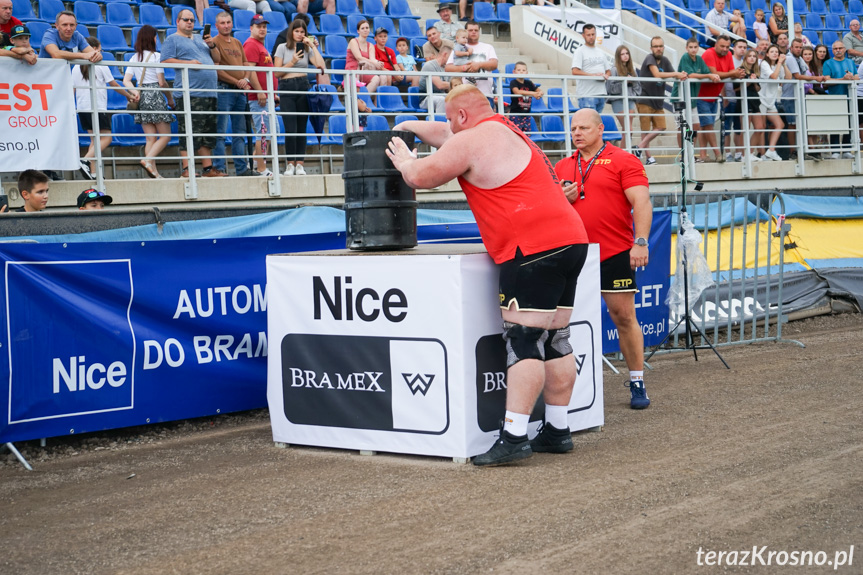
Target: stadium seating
(37,30)
(503,12)
(410,28)
(112,38)
(400,9)
(243,19)
(335,47)
(120,14)
(353,22)
(176,10)
(832,22)
(130,133)
(372,8)
(610,132)
(837,7)
(816,7)
(88,13)
(384,22)
(345,8)
(332,24)
(377,123)
(276,20)
(116,100)
(390,100)
(855,8)
(337,64)
(152,14)
(552,128)
(23,10)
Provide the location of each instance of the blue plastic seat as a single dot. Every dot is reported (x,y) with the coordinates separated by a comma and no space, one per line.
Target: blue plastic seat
(606,4)
(555,101)
(210,15)
(48,10)
(813,22)
(363,94)
(533,131)
(112,38)
(436,118)
(336,105)
(88,13)
(116,100)
(414,99)
(405,118)
(390,100)
(332,24)
(837,7)
(115,70)
(130,133)
(697,5)
(384,22)
(503,12)
(738,5)
(83,137)
(816,7)
(800,7)
(400,9)
(37,30)
(813,36)
(83,30)
(336,127)
(270,40)
(645,14)
(429,23)
(552,128)
(372,8)
(855,8)
(23,10)
(276,20)
(243,19)
(832,22)
(610,132)
(335,46)
(345,8)
(337,64)
(120,14)
(377,123)
(242,35)
(154,15)
(410,28)
(483,12)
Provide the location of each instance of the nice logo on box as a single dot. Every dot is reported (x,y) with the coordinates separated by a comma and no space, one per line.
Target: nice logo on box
(79,357)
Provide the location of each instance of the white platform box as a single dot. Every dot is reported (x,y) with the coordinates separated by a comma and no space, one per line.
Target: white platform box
(401,351)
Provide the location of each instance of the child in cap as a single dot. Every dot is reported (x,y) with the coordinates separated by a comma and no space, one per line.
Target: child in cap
(19,44)
(93,200)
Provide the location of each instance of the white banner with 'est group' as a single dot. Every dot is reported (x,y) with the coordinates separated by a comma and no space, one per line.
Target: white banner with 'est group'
(38,127)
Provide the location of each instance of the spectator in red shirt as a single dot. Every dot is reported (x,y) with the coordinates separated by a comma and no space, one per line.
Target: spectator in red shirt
(719,61)
(257,55)
(7,20)
(387,55)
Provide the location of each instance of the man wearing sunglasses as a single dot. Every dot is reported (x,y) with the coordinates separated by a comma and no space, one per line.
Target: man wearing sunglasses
(184,47)
(93,200)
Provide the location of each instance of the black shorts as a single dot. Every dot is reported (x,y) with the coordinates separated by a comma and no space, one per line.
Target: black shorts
(544,281)
(616,274)
(87,121)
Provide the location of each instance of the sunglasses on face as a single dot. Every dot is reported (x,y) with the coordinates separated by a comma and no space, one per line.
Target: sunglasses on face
(187,19)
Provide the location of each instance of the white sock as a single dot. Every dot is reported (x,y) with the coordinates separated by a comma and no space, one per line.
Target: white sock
(636,376)
(516,423)
(555,415)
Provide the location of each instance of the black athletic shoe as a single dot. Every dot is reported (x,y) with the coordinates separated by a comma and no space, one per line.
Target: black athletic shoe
(552,440)
(507,448)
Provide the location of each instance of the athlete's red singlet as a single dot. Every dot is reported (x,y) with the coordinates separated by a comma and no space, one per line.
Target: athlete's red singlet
(528,212)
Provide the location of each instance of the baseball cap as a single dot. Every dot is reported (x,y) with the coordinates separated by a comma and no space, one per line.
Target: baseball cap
(443,6)
(19,30)
(90,195)
(381,30)
(258,20)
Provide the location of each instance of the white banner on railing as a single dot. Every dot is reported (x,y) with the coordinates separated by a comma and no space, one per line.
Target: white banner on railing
(608,29)
(38,128)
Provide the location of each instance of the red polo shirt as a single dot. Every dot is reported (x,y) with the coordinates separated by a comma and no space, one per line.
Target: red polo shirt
(709,91)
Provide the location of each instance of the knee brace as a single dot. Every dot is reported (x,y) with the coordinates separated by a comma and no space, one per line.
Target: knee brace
(523,342)
(557,345)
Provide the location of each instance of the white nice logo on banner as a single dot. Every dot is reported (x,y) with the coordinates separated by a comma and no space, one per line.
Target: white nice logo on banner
(37,116)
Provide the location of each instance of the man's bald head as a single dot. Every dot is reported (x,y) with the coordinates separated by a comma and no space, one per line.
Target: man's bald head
(466,105)
(586,116)
(586,130)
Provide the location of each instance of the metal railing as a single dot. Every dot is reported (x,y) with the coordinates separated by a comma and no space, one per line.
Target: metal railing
(559,103)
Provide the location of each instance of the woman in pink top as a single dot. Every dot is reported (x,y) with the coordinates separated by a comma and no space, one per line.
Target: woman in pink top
(361,56)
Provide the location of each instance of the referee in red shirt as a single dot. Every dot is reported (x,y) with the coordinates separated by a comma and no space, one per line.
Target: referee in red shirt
(607,186)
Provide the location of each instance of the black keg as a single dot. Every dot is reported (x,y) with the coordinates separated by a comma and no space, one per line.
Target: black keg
(380,208)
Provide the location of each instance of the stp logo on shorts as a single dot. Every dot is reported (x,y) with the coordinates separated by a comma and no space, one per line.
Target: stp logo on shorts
(622,283)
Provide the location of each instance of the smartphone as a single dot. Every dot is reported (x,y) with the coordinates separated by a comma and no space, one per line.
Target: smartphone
(300,51)
(206,30)
(4,201)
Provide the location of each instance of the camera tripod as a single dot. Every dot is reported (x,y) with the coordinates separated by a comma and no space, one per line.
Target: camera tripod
(686,137)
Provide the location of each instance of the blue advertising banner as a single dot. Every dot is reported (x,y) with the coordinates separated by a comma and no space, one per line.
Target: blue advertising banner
(653,282)
(105,335)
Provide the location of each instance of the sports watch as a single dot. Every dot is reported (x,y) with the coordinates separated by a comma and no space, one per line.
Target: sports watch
(641,242)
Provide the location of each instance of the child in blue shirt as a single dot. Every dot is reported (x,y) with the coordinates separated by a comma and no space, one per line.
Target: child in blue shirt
(408,63)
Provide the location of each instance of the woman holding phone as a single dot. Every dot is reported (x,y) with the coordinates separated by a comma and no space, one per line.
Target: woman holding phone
(300,53)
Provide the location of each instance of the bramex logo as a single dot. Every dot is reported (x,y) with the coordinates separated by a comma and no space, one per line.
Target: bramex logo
(418,382)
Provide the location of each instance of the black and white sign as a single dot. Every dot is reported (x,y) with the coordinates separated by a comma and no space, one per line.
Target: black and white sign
(402,352)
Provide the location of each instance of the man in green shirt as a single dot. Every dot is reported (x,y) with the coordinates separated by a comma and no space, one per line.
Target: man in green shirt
(695,67)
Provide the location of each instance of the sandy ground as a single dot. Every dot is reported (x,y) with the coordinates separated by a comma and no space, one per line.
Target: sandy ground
(769,453)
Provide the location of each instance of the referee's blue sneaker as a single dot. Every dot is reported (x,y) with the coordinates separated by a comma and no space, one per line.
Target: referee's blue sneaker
(638,395)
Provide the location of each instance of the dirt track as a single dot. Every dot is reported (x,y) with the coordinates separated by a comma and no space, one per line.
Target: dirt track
(768,453)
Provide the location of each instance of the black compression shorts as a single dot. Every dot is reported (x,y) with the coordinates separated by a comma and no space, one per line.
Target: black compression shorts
(543,281)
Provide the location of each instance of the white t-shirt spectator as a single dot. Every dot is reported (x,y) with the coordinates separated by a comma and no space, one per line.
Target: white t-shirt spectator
(769,92)
(151,75)
(591,61)
(482,52)
(102,75)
